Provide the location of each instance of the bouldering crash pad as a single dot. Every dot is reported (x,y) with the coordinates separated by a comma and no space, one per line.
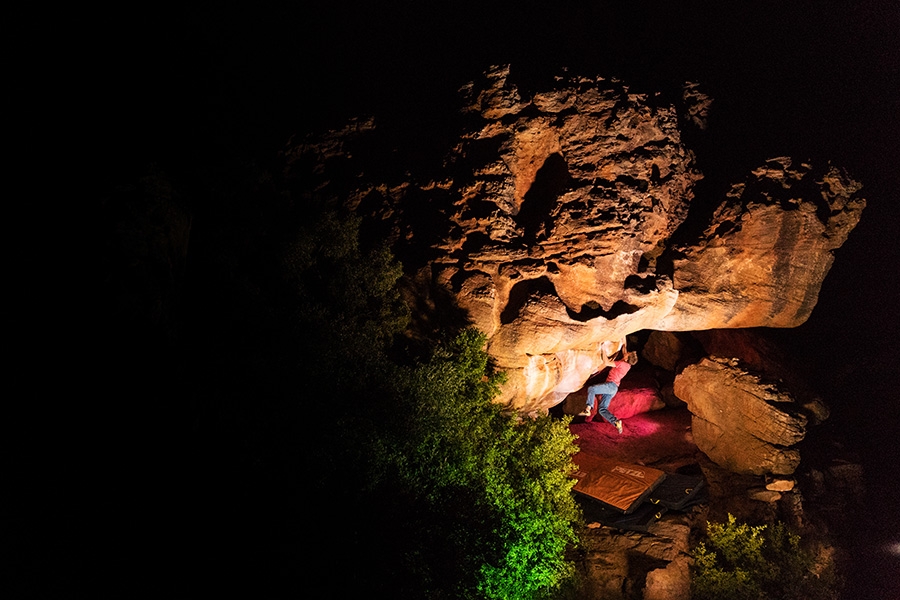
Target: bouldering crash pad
(618,485)
(639,520)
(677,491)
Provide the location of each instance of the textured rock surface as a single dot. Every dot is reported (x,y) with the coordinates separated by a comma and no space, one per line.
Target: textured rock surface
(551,222)
(767,250)
(672,582)
(763,356)
(653,565)
(739,421)
(585,180)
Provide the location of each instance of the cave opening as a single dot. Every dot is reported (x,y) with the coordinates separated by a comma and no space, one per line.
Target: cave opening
(630,478)
(656,423)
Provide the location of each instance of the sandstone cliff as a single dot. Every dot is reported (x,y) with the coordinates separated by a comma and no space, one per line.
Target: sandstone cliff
(555,222)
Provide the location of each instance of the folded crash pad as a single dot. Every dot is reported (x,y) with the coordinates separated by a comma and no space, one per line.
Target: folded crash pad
(678,491)
(639,520)
(618,485)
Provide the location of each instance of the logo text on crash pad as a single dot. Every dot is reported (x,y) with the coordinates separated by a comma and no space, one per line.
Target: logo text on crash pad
(627,471)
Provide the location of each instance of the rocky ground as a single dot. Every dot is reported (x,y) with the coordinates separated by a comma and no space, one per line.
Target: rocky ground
(660,439)
(655,564)
(615,563)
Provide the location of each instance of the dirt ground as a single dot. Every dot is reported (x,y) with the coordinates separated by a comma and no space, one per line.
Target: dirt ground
(660,439)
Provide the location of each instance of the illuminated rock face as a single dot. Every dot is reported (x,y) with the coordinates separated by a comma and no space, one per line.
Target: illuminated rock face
(550,228)
(554,222)
(741,422)
(763,257)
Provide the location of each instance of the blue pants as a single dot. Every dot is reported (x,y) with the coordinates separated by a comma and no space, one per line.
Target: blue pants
(606,391)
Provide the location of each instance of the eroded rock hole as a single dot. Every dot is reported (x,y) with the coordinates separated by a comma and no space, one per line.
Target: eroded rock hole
(632,182)
(643,284)
(474,242)
(549,183)
(521,293)
(592,310)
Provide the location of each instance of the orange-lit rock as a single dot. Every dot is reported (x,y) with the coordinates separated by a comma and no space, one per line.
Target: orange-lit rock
(740,421)
(553,223)
(762,260)
(765,357)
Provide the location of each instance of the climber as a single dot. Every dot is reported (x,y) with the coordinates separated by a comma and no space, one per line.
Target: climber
(608,389)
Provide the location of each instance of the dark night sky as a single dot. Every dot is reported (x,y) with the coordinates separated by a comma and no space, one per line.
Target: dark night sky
(190,89)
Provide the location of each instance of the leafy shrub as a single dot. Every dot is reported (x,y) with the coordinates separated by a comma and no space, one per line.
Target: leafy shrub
(420,476)
(323,453)
(743,562)
(503,482)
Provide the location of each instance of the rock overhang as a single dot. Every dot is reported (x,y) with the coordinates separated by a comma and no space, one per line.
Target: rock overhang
(555,221)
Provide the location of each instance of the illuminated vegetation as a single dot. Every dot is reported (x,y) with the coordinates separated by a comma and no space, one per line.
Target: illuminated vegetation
(351,459)
(481,502)
(743,562)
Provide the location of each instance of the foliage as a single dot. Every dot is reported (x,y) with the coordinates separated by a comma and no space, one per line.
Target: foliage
(504,482)
(443,494)
(314,447)
(345,295)
(743,562)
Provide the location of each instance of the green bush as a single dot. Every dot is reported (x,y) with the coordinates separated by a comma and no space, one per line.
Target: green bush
(743,562)
(503,482)
(420,476)
(322,449)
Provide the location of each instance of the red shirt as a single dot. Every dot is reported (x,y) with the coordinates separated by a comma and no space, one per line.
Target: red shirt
(618,371)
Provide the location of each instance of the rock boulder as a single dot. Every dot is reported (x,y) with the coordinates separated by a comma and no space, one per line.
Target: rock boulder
(768,247)
(741,422)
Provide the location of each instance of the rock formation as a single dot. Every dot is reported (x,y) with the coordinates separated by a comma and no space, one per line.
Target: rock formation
(741,422)
(555,223)
(764,357)
(654,565)
(762,260)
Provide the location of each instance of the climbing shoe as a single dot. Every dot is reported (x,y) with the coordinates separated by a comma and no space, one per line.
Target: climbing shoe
(586,412)
(619,426)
